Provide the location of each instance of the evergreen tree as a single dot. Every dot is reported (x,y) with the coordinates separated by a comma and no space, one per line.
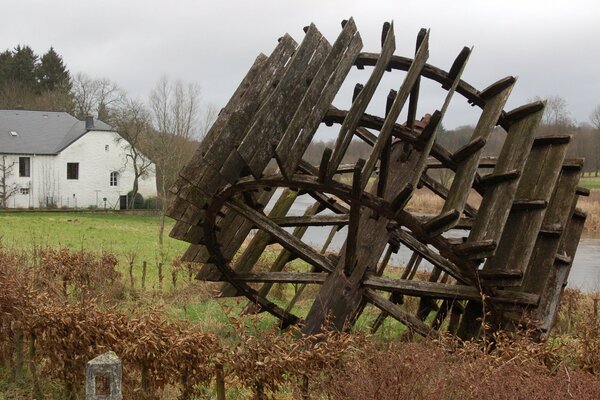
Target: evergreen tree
(6,58)
(23,67)
(52,73)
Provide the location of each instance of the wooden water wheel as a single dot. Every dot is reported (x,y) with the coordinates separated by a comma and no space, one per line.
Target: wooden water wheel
(520,240)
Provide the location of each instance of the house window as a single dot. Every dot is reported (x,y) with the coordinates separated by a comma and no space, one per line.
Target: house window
(24,167)
(24,190)
(73,170)
(114,179)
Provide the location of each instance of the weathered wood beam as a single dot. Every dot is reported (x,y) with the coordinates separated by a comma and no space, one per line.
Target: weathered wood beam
(259,242)
(313,220)
(411,322)
(282,277)
(318,97)
(282,237)
(438,290)
(409,81)
(351,245)
(359,105)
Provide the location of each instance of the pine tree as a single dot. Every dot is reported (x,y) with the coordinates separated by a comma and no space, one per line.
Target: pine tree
(52,73)
(6,58)
(23,67)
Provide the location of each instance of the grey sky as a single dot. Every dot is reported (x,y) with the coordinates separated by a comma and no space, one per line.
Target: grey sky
(552,46)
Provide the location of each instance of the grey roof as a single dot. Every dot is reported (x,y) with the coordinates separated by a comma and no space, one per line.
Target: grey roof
(41,132)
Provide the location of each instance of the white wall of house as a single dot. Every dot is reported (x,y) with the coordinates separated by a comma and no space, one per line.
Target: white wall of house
(98,154)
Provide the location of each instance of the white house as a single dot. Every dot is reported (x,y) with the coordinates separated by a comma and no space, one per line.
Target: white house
(52,159)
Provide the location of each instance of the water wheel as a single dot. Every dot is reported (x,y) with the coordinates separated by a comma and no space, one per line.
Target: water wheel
(520,238)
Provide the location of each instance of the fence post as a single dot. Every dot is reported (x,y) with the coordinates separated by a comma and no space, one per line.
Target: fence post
(220,378)
(144,275)
(103,378)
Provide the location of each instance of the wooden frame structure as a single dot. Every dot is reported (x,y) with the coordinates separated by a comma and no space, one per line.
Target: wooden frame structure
(521,239)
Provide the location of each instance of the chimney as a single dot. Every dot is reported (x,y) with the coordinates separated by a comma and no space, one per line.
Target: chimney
(89,122)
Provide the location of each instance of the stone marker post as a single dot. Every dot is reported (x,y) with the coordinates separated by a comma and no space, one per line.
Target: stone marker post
(103,378)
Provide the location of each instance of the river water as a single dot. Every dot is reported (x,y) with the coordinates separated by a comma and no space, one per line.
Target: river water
(585,273)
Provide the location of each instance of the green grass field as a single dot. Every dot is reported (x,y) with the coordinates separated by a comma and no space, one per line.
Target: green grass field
(590,181)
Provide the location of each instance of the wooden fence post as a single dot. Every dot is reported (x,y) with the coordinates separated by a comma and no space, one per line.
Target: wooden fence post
(144,266)
(220,381)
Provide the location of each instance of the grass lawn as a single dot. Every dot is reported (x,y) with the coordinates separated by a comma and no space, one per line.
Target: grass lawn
(590,181)
(118,233)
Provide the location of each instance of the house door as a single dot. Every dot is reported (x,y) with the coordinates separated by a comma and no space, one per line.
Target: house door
(123,202)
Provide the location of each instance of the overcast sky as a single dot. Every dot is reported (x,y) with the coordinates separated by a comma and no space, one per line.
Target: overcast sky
(551,46)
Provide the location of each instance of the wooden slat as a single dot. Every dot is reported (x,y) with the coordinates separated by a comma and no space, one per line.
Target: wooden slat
(414,94)
(403,93)
(282,277)
(465,174)
(558,214)
(282,237)
(498,198)
(351,248)
(359,105)
(272,119)
(411,322)
(318,97)
(446,291)
(259,242)
(434,258)
(313,220)
(538,181)
(557,278)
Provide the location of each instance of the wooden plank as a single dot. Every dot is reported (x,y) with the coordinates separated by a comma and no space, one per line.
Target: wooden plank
(259,242)
(547,310)
(318,98)
(409,81)
(359,105)
(313,220)
(272,119)
(411,322)
(538,181)
(282,237)
(498,198)
(437,260)
(282,277)
(446,291)
(243,110)
(546,247)
(429,134)
(232,231)
(414,94)
(351,248)
(285,255)
(465,173)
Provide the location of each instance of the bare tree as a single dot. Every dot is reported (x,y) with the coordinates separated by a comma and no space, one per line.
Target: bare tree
(7,190)
(595,120)
(556,119)
(208,116)
(133,123)
(175,110)
(595,117)
(97,96)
